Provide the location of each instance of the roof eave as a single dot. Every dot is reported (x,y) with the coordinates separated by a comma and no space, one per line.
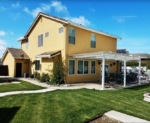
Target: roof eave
(92,30)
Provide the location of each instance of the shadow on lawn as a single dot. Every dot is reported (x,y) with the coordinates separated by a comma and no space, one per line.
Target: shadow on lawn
(7,114)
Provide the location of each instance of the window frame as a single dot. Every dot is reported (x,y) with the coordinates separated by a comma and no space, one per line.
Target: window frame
(91,67)
(27,44)
(83,67)
(40,42)
(74,67)
(91,41)
(46,34)
(74,36)
(37,66)
(59,30)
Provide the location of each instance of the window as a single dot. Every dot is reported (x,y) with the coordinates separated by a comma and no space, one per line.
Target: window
(93,67)
(37,65)
(46,34)
(82,67)
(40,40)
(93,40)
(85,67)
(71,36)
(27,44)
(71,67)
(61,29)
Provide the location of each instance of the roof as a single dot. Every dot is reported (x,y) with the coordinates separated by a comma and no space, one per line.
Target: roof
(49,54)
(16,53)
(142,55)
(64,21)
(107,55)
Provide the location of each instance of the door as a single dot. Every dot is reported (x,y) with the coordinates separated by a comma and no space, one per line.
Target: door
(18,69)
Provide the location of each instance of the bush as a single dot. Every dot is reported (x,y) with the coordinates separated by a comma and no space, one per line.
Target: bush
(45,78)
(58,73)
(31,75)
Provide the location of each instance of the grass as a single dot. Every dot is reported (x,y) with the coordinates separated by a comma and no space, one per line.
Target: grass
(73,106)
(18,87)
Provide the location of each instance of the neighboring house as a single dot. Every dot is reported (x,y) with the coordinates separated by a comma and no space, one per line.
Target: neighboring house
(145,57)
(1,63)
(51,38)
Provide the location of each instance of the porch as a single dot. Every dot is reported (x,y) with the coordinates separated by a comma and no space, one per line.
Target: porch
(104,56)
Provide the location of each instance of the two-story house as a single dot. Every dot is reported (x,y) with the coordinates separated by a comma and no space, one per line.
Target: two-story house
(50,38)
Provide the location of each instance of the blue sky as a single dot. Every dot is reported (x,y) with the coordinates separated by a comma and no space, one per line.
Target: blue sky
(129,20)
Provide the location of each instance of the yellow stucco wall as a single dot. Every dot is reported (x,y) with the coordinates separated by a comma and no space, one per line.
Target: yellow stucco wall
(83,45)
(9,60)
(55,41)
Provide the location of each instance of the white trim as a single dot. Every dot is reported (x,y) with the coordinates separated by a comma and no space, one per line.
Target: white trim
(74,67)
(108,56)
(91,67)
(47,56)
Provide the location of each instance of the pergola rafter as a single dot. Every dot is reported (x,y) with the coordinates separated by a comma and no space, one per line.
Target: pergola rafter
(109,56)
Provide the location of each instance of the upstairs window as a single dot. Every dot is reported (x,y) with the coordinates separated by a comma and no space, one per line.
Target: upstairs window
(40,40)
(93,41)
(46,34)
(37,65)
(61,29)
(71,36)
(27,44)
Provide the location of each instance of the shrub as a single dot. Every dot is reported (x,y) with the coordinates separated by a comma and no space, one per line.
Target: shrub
(45,78)
(58,73)
(31,75)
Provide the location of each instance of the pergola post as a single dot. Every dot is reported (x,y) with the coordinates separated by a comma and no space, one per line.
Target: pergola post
(139,71)
(103,73)
(124,73)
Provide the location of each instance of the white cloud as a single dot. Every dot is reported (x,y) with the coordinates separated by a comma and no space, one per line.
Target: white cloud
(2,47)
(2,8)
(20,38)
(79,20)
(45,7)
(121,19)
(16,5)
(57,5)
(15,16)
(2,42)
(2,33)
(34,12)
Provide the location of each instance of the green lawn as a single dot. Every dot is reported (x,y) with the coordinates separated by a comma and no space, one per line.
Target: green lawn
(18,87)
(73,106)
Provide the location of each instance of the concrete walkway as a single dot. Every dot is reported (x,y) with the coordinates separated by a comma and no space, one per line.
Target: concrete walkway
(124,117)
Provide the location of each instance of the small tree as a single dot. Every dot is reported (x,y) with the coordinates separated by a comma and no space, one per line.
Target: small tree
(57,73)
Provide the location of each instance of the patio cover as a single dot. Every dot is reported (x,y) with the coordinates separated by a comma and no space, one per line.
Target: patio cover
(109,56)
(49,54)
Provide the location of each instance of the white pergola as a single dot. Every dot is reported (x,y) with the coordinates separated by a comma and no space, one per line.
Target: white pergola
(109,56)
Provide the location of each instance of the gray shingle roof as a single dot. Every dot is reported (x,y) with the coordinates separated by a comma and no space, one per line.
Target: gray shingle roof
(18,53)
(142,55)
